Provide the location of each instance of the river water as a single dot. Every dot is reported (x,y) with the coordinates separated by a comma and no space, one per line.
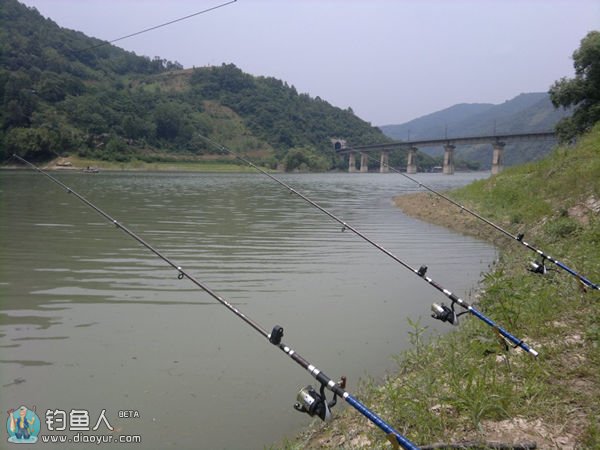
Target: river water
(92,321)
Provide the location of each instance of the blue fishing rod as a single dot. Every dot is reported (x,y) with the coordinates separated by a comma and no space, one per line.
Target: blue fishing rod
(309,400)
(440,311)
(538,267)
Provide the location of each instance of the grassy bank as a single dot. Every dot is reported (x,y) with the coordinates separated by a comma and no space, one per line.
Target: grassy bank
(465,386)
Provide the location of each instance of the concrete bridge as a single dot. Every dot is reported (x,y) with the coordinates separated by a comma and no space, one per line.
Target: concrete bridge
(497,141)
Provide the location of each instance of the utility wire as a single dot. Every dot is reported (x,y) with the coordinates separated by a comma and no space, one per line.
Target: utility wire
(156,26)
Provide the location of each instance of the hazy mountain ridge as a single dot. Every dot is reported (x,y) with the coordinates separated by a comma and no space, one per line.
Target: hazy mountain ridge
(431,125)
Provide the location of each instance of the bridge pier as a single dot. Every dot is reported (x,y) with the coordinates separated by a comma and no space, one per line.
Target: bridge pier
(498,158)
(384,163)
(448,168)
(364,162)
(351,162)
(411,160)
(498,141)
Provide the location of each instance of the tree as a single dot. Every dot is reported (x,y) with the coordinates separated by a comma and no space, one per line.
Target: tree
(32,143)
(135,127)
(304,159)
(168,118)
(581,92)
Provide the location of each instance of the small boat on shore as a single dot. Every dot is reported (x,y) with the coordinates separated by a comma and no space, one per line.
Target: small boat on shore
(89,169)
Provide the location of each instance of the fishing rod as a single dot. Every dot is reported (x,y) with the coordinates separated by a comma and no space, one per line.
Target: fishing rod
(440,311)
(538,267)
(309,400)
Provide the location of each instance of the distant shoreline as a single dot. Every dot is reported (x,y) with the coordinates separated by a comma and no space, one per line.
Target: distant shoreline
(78,164)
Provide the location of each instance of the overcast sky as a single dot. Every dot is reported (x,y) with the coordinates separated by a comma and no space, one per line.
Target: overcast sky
(390,61)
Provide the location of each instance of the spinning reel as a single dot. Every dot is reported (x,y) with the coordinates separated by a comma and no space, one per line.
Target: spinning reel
(538,267)
(315,403)
(535,266)
(310,401)
(446,313)
(441,312)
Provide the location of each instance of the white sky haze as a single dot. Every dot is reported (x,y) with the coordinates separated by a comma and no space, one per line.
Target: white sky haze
(390,61)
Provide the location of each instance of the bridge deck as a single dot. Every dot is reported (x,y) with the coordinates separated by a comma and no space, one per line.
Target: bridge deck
(467,140)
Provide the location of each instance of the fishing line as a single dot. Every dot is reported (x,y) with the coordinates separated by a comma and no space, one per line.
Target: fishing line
(440,312)
(310,401)
(156,26)
(538,267)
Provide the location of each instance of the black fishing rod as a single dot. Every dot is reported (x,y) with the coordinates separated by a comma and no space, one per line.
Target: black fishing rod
(538,267)
(310,401)
(440,311)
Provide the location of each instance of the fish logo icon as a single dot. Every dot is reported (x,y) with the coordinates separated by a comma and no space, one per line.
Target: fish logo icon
(23,425)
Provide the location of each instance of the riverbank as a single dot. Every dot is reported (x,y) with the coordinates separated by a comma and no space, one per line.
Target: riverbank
(76,163)
(466,387)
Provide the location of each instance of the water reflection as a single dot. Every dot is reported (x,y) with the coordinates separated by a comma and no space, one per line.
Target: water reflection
(90,319)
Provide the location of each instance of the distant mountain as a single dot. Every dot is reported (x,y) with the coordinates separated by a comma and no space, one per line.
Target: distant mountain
(531,112)
(437,122)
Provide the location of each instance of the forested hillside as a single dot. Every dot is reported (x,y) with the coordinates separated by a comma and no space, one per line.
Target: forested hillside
(66,93)
(525,113)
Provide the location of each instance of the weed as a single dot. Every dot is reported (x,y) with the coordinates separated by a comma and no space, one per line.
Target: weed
(562,227)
